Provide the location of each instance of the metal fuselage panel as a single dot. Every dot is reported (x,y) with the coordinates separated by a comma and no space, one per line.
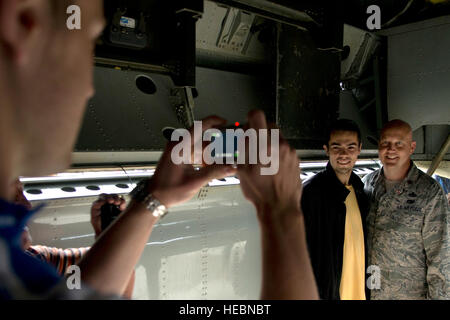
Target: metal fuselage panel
(208,248)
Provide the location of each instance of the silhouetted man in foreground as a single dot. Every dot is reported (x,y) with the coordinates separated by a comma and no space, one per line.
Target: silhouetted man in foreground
(45,82)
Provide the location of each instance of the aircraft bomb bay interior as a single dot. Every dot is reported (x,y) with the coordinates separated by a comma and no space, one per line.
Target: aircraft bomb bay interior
(161,65)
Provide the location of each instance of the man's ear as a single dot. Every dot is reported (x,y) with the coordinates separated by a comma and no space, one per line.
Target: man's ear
(413,146)
(325,147)
(18,21)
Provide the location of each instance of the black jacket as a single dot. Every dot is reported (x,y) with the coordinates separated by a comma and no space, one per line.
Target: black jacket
(323,204)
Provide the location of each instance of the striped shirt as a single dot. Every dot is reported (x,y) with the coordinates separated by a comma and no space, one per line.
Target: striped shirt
(61,259)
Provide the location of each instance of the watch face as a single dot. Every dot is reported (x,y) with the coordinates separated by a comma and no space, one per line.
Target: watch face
(140,194)
(155,213)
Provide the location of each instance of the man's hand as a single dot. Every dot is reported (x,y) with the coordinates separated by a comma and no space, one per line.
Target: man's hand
(174,184)
(96,220)
(280,192)
(287,271)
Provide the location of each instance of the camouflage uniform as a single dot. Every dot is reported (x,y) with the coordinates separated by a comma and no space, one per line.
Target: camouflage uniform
(408,237)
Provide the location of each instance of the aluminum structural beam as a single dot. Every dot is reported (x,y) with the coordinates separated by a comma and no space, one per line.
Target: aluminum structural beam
(439,156)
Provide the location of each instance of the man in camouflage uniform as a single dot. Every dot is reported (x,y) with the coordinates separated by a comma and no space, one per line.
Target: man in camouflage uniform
(408,223)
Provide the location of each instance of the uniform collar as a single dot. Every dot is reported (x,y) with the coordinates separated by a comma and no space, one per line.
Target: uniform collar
(413,174)
(411,177)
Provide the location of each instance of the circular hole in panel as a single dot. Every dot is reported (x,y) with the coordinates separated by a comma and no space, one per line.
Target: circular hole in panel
(93,188)
(122,186)
(145,84)
(68,189)
(345,52)
(34,191)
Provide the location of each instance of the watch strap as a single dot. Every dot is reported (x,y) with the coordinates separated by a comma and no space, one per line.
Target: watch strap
(140,194)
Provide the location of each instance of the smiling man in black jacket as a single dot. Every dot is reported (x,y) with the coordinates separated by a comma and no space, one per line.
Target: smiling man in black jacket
(335,207)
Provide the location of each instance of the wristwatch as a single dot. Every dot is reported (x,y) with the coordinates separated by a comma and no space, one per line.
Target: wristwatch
(140,194)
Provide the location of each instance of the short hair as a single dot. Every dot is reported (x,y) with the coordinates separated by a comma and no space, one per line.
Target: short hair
(344,125)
